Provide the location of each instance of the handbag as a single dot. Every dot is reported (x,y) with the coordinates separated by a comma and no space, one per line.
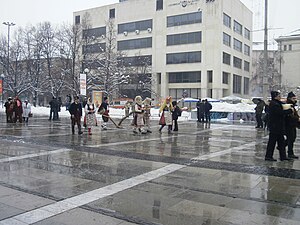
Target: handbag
(162,120)
(30,114)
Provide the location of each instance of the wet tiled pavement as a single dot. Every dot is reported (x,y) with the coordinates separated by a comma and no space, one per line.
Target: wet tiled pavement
(204,174)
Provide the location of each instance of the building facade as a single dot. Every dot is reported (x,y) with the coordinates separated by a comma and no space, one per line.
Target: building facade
(198,48)
(289,64)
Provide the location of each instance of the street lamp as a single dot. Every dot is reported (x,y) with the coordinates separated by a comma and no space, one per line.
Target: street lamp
(86,71)
(9,24)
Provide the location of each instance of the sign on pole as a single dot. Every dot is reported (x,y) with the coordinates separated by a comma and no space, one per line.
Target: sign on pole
(1,87)
(97,97)
(82,82)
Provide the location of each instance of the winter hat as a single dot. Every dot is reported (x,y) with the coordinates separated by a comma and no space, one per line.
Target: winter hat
(291,95)
(274,94)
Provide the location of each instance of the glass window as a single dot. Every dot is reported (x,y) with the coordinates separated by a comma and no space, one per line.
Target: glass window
(159,5)
(135,44)
(186,38)
(94,32)
(184,19)
(284,48)
(237,27)
(225,78)
(183,57)
(185,77)
(247,50)
(237,84)
(246,86)
(226,39)
(145,60)
(93,48)
(77,19)
(246,66)
(226,58)
(112,13)
(237,62)
(237,45)
(133,26)
(210,76)
(290,47)
(226,20)
(247,33)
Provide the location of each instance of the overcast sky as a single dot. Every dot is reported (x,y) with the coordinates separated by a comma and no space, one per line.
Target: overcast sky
(283,14)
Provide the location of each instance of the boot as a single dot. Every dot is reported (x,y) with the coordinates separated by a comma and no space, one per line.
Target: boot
(79,130)
(90,131)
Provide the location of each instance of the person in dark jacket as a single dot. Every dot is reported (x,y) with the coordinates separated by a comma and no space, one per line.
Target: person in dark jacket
(54,108)
(9,110)
(76,114)
(207,108)
(18,110)
(175,113)
(276,126)
(291,123)
(104,111)
(200,110)
(258,113)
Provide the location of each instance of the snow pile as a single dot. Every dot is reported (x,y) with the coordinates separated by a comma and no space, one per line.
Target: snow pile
(119,113)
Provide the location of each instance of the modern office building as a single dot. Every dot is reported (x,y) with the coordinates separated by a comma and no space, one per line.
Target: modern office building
(197,48)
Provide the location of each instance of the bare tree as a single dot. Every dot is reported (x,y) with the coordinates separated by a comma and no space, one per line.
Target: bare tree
(103,61)
(274,77)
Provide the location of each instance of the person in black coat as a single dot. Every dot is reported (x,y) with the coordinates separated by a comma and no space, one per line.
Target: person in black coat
(104,111)
(207,108)
(76,114)
(175,113)
(200,110)
(291,123)
(276,126)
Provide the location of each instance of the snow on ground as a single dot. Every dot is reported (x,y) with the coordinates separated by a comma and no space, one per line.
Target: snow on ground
(119,113)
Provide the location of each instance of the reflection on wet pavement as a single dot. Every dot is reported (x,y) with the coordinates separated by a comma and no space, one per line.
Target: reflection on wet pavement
(213,174)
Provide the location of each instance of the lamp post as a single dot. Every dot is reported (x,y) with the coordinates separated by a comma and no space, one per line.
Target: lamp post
(86,71)
(9,24)
(2,88)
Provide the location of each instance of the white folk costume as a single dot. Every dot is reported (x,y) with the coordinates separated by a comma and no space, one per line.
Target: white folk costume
(166,114)
(147,114)
(138,115)
(26,110)
(90,115)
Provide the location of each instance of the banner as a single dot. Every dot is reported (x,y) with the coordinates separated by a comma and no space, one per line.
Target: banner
(97,97)
(1,87)
(82,83)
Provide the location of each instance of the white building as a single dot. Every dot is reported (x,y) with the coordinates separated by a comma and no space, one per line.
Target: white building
(198,48)
(289,64)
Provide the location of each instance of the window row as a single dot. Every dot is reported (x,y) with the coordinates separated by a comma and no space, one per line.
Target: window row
(133,26)
(93,48)
(184,19)
(94,32)
(237,27)
(237,84)
(237,62)
(185,77)
(186,38)
(135,44)
(144,60)
(237,45)
(183,57)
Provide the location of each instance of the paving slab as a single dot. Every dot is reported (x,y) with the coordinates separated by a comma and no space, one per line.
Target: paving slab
(203,174)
